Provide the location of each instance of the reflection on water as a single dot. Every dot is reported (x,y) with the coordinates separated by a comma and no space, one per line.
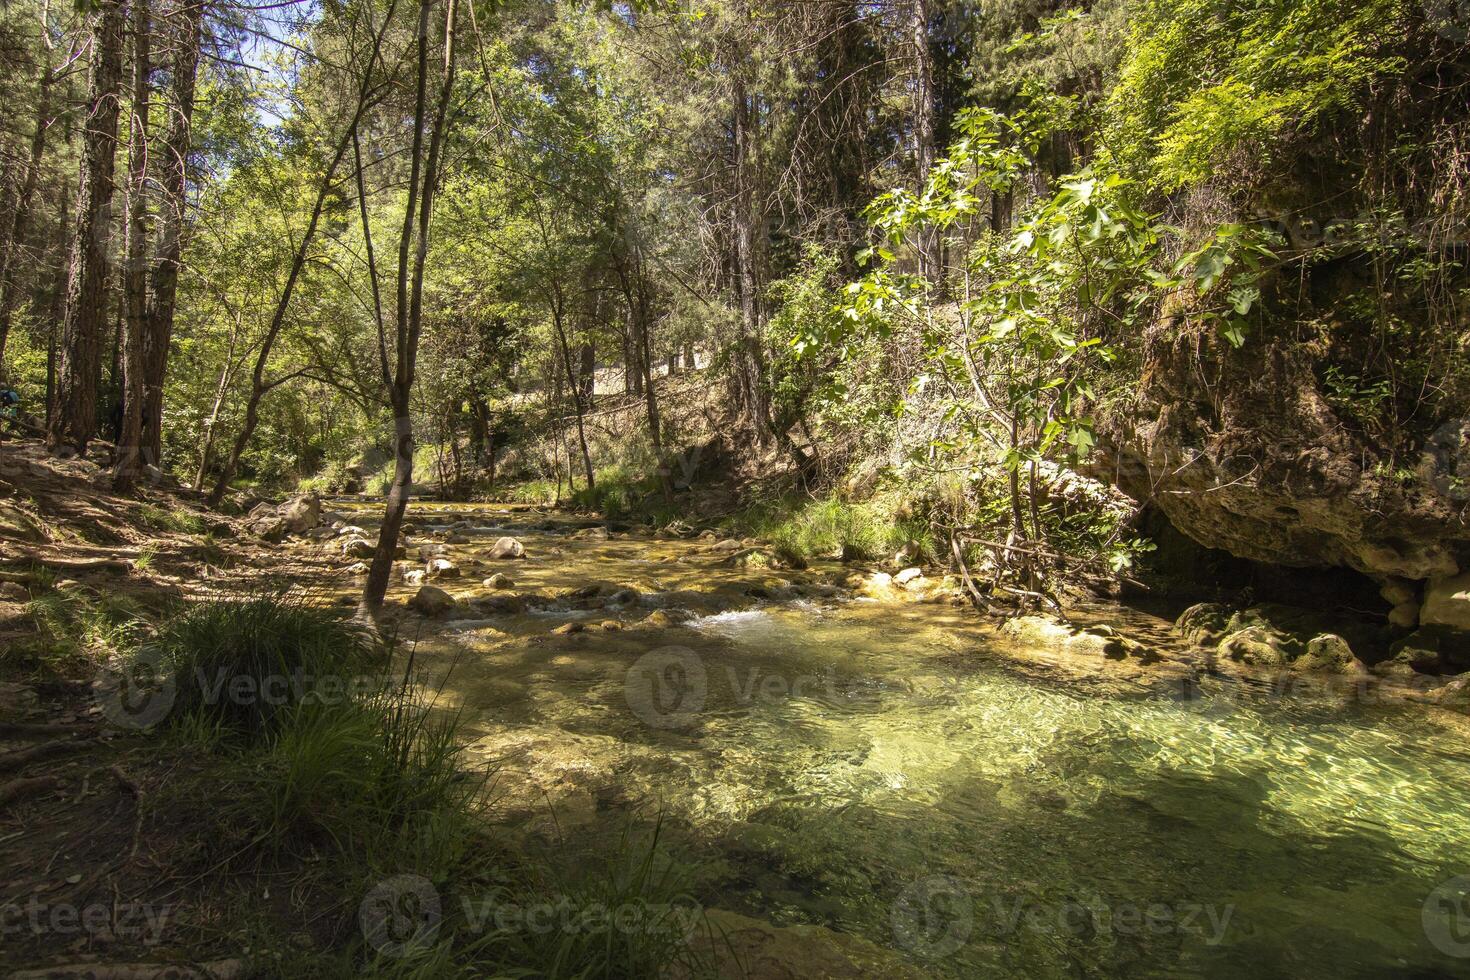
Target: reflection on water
(885,770)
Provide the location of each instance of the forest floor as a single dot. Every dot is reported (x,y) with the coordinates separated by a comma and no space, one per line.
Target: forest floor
(110,854)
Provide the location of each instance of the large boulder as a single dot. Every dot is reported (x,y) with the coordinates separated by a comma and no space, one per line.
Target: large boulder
(431,600)
(507,548)
(270,528)
(302,513)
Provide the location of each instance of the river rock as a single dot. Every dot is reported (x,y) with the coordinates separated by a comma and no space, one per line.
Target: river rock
(1047,633)
(415,576)
(441,568)
(1447,602)
(1280,636)
(507,548)
(358,548)
(566,629)
(1431,650)
(727,546)
(351,530)
(456,537)
(611,625)
(499,581)
(501,605)
(750,558)
(358,570)
(432,601)
(271,529)
(908,575)
(302,513)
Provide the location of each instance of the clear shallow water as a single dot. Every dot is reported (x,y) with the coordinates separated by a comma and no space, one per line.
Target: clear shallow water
(888,772)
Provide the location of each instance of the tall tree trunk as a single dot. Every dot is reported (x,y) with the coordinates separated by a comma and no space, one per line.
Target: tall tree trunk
(11,280)
(423,183)
(135,258)
(84,322)
(750,369)
(587,372)
(927,241)
(57,304)
(173,163)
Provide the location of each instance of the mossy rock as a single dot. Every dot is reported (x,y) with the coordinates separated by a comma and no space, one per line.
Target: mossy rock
(1433,650)
(1205,624)
(1278,636)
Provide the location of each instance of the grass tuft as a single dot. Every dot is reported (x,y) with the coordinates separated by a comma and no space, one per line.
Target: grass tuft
(242,663)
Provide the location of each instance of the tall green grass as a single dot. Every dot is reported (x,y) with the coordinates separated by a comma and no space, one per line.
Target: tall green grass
(241,664)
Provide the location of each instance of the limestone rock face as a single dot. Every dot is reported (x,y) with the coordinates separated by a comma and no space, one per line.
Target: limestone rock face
(1242,451)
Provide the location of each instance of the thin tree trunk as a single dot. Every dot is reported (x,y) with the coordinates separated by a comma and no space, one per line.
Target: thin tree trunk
(135,259)
(573,381)
(411,296)
(85,319)
(56,306)
(173,181)
(749,373)
(16,233)
(927,241)
(221,391)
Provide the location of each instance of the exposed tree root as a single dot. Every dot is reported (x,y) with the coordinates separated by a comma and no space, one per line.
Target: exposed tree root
(21,758)
(19,789)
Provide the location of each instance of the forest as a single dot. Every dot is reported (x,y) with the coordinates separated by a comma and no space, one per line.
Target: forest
(734,488)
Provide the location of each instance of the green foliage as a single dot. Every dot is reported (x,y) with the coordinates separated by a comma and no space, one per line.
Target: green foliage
(1207,91)
(78,627)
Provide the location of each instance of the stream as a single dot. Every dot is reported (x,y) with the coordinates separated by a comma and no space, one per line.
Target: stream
(891,770)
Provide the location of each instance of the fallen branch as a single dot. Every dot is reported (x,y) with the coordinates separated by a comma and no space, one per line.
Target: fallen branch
(959,559)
